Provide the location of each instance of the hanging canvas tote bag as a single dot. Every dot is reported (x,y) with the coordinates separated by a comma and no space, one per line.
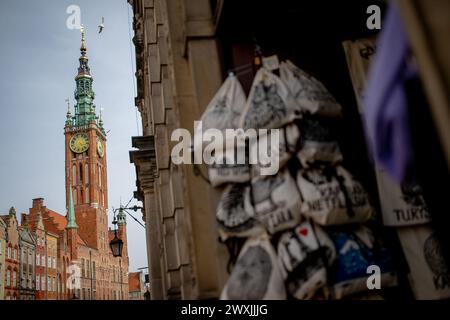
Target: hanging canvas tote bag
(224,112)
(235,215)
(270,104)
(429,273)
(274,153)
(318,143)
(401,205)
(357,251)
(332,196)
(276,201)
(225,109)
(310,94)
(257,274)
(305,254)
(227,169)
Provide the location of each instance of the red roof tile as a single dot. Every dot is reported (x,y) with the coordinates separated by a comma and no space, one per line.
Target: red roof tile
(59,222)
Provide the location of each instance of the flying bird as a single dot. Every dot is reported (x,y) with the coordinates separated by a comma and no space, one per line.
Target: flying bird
(101,25)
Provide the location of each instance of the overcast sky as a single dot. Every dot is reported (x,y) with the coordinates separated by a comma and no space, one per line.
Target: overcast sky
(38,63)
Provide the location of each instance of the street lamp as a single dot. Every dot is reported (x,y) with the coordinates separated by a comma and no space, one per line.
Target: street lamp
(116,245)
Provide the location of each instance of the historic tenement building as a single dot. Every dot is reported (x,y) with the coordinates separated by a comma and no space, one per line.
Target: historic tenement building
(178,72)
(2,257)
(12,256)
(27,247)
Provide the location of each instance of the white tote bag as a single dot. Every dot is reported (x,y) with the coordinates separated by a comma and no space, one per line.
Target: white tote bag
(225,109)
(332,196)
(270,104)
(276,153)
(305,253)
(310,94)
(276,201)
(257,274)
(401,205)
(235,215)
(227,169)
(224,112)
(318,143)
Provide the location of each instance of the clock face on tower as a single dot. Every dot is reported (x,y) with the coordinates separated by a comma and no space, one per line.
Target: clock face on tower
(79,143)
(100,148)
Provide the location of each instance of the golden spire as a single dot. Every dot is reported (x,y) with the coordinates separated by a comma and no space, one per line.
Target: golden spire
(83,40)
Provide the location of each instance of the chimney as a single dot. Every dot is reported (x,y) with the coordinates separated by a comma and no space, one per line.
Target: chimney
(38,203)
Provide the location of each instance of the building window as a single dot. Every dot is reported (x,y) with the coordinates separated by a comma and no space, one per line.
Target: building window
(99,176)
(8,278)
(43,262)
(74,195)
(49,283)
(49,262)
(38,259)
(9,252)
(87,200)
(86,172)
(14,281)
(15,254)
(82,268)
(54,263)
(74,175)
(38,282)
(43,283)
(83,295)
(81,173)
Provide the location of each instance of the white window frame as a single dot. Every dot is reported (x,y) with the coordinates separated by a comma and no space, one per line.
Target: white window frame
(14,282)
(38,282)
(8,277)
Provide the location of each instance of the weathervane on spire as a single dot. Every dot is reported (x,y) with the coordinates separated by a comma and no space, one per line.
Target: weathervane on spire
(68,105)
(83,40)
(69,115)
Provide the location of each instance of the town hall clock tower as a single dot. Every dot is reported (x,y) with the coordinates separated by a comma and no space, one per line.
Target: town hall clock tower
(85,146)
